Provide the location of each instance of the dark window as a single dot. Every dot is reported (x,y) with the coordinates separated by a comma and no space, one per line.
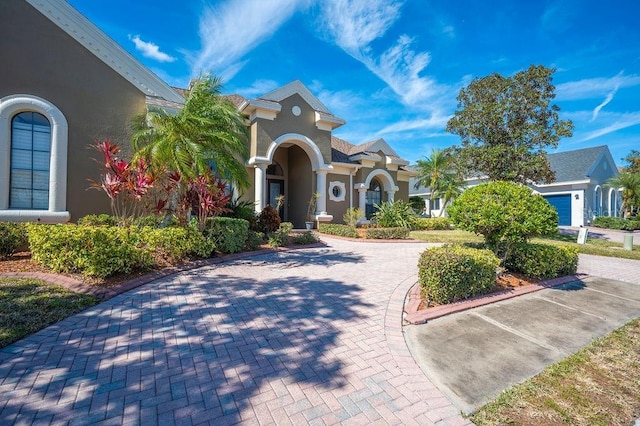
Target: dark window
(274,170)
(30,158)
(374,197)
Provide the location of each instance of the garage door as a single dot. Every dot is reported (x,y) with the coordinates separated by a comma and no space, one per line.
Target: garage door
(562,204)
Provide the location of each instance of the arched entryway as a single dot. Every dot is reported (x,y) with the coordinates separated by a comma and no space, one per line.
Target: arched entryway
(377,188)
(373,197)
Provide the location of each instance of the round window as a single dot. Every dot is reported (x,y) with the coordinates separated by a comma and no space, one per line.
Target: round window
(337,191)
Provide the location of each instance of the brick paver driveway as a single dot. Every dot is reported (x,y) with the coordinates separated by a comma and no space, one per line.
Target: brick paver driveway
(307,336)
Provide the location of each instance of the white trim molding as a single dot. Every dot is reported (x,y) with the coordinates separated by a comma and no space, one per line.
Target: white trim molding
(309,147)
(56,213)
(342,190)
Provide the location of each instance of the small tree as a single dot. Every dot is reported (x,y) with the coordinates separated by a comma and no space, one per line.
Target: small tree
(507,123)
(438,172)
(504,213)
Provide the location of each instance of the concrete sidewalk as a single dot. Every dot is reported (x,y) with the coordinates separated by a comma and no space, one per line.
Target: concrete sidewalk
(474,355)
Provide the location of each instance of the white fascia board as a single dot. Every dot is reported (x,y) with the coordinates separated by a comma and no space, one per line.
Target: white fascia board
(296,87)
(327,122)
(256,108)
(344,168)
(397,161)
(104,48)
(365,157)
(573,182)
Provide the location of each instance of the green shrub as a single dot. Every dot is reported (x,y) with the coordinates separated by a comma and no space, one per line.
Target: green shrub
(281,236)
(229,234)
(254,240)
(13,237)
(337,229)
(242,210)
(394,215)
(93,251)
(98,220)
(268,220)
(304,238)
(505,213)
(452,272)
(616,223)
(175,244)
(398,233)
(151,220)
(352,216)
(433,223)
(542,260)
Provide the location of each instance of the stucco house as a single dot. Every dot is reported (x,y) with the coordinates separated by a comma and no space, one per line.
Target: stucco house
(579,193)
(64,83)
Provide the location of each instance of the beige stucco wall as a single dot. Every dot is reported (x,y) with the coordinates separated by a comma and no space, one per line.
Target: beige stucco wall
(266,131)
(339,208)
(42,60)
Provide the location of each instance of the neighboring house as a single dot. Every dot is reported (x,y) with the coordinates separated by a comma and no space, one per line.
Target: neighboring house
(579,192)
(293,153)
(64,83)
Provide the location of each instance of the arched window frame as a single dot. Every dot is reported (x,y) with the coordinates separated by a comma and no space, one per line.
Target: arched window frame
(56,212)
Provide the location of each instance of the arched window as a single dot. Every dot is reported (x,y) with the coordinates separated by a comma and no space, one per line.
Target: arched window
(30,159)
(374,196)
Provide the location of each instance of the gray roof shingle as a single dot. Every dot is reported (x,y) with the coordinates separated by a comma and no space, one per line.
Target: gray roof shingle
(574,165)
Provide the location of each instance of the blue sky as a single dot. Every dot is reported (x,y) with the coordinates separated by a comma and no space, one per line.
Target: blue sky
(393,68)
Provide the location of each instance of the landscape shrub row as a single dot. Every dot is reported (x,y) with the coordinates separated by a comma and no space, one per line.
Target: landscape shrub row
(338,229)
(432,224)
(454,272)
(397,233)
(542,260)
(617,223)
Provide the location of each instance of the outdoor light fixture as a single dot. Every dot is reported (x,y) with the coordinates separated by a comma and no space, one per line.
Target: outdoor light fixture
(577,196)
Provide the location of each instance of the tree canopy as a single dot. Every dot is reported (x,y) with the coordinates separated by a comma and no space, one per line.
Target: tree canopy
(506,124)
(629,181)
(438,172)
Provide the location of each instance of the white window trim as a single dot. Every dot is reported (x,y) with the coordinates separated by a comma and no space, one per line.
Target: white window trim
(342,188)
(56,213)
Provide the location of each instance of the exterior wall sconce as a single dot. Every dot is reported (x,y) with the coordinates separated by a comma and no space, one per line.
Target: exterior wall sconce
(577,196)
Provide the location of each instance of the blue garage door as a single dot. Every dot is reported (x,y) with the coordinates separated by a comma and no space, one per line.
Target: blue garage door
(562,203)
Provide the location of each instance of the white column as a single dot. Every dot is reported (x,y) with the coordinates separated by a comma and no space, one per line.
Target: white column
(390,195)
(321,188)
(362,199)
(260,186)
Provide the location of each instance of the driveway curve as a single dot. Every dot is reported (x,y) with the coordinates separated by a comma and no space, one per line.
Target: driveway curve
(310,336)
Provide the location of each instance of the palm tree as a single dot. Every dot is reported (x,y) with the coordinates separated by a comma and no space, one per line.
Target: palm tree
(207,133)
(630,184)
(438,173)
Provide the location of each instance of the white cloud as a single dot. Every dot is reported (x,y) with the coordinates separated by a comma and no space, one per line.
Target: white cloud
(622,122)
(354,24)
(595,87)
(604,103)
(258,88)
(230,29)
(150,50)
(435,122)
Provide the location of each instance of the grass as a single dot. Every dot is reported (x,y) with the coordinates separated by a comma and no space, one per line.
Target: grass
(594,246)
(597,386)
(28,305)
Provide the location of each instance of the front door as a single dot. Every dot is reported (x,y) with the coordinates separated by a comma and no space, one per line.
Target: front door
(275,189)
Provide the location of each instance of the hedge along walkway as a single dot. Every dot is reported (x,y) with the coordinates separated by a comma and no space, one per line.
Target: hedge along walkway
(288,337)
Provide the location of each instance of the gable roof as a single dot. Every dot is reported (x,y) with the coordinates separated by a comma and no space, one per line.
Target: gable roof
(296,87)
(575,165)
(104,48)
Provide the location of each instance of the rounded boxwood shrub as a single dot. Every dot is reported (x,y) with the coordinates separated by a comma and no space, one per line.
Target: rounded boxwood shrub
(453,272)
(174,244)
(229,234)
(542,260)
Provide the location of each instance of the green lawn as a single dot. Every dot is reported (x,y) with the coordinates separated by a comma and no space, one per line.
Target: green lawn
(593,246)
(597,386)
(28,305)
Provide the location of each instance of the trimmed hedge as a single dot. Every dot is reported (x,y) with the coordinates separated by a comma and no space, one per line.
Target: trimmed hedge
(174,244)
(542,260)
(93,251)
(453,272)
(432,224)
(98,220)
(229,234)
(398,233)
(338,229)
(13,237)
(304,238)
(616,223)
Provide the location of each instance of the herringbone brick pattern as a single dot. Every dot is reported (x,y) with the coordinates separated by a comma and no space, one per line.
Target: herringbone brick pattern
(302,337)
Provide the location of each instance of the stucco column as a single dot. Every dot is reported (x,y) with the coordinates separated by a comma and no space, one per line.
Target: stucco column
(362,198)
(321,188)
(259,185)
(390,195)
